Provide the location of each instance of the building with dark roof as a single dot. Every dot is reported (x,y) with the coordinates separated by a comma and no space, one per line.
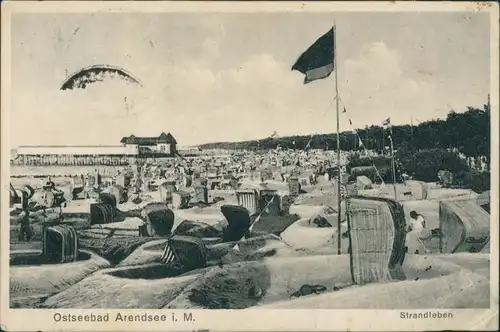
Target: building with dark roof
(132,148)
(164,145)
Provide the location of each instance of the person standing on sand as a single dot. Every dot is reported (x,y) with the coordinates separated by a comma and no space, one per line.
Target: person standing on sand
(25,233)
(416,226)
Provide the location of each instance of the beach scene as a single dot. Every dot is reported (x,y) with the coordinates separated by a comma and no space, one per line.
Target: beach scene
(202,161)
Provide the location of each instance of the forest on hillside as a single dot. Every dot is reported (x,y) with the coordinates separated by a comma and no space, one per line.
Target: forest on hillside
(469,132)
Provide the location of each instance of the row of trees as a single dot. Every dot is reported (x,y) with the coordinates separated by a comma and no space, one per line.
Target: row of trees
(469,132)
(423,165)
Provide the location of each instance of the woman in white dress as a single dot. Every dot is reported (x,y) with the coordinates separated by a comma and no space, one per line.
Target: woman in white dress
(415,227)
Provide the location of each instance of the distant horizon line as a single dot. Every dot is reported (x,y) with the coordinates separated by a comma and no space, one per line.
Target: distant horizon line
(258,139)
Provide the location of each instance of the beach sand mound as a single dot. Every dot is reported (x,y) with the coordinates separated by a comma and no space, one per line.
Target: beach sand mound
(233,286)
(434,281)
(114,249)
(463,289)
(38,281)
(112,289)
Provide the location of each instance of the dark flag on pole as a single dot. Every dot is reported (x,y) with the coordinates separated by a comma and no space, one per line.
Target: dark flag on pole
(317,61)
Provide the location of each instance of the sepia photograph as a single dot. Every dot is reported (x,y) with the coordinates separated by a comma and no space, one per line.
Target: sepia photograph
(244,159)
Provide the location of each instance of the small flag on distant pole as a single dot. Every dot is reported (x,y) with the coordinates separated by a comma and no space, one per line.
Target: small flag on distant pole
(386,122)
(344,111)
(350,122)
(317,61)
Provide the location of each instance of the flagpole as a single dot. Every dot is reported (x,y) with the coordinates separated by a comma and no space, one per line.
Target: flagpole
(339,199)
(383,140)
(393,164)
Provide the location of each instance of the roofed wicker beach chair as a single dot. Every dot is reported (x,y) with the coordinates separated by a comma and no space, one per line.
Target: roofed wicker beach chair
(159,219)
(60,244)
(102,213)
(238,219)
(377,231)
(188,251)
(464,226)
(108,199)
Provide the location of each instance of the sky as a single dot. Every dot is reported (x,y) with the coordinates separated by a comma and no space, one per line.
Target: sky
(227,77)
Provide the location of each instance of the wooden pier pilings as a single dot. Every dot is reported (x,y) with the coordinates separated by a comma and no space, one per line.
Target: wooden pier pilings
(73,160)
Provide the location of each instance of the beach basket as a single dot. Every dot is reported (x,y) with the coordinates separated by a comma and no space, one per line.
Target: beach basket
(464,225)
(60,244)
(102,213)
(180,200)
(248,198)
(293,186)
(166,192)
(118,192)
(238,220)
(188,251)
(376,229)
(269,202)
(368,171)
(48,199)
(200,182)
(159,219)
(483,200)
(214,184)
(91,182)
(108,199)
(200,195)
(123,180)
(363,182)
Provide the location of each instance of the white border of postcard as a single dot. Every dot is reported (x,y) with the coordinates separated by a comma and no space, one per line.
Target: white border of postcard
(249,320)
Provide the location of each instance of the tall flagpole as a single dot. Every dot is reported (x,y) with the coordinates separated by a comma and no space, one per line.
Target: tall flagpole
(393,163)
(339,199)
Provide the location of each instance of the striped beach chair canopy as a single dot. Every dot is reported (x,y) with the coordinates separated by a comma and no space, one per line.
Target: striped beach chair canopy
(190,252)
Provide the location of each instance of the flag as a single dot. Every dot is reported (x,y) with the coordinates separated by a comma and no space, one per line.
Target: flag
(386,122)
(200,149)
(350,122)
(317,61)
(344,111)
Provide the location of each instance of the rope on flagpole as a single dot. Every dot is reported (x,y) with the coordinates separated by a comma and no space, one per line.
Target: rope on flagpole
(257,219)
(362,144)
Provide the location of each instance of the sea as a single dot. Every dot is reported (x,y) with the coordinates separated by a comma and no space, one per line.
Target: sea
(58,171)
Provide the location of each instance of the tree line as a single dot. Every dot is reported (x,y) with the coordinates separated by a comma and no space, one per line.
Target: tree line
(468,132)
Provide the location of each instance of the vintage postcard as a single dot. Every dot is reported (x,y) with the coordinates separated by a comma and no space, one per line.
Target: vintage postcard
(226,166)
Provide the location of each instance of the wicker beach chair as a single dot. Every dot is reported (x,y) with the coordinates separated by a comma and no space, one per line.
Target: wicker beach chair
(464,226)
(187,251)
(159,219)
(238,219)
(377,237)
(60,244)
